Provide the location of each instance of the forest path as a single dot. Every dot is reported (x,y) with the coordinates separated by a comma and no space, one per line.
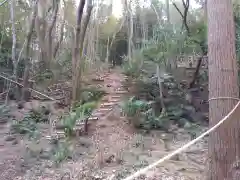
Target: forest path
(120,149)
(114,147)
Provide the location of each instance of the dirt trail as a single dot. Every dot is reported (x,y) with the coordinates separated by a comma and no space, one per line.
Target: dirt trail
(110,135)
(112,146)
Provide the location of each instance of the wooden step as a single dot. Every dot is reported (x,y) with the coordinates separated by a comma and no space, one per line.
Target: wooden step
(56,135)
(78,128)
(93,118)
(98,114)
(115,96)
(104,109)
(61,133)
(121,92)
(80,123)
(115,100)
(107,104)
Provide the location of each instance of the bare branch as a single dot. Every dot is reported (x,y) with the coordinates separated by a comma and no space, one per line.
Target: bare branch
(2,3)
(174,4)
(184,14)
(8,79)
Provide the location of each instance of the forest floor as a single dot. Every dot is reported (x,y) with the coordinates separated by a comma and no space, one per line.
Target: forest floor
(111,147)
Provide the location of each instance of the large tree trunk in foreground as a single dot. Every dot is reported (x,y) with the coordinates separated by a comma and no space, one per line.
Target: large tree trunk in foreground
(223,142)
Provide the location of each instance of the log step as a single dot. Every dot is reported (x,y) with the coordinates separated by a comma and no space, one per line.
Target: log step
(121,92)
(107,104)
(104,109)
(116,96)
(93,118)
(114,100)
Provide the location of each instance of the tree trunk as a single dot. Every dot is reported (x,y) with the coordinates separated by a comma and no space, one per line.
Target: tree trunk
(160,90)
(196,73)
(223,142)
(168,11)
(27,59)
(77,34)
(77,71)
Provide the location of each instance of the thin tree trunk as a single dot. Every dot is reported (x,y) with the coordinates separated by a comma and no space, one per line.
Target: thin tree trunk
(196,73)
(50,32)
(160,90)
(14,37)
(224,142)
(27,50)
(77,72)
(77,35)
(168,11)
(57,46)
(14,43)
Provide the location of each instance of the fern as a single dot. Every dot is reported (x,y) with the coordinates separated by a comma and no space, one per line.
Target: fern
(79,114)
(132,106)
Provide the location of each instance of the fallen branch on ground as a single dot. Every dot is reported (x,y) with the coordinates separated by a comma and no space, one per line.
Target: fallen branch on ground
(30,89)
(3,93)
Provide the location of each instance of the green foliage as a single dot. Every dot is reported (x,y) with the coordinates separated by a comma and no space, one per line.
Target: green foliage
(26,126)
(47,74)
(91,94)
(198,37)
(29,124)
(61,152)
(132,106)
(132,67)
(141,114)
(4,113)
(237,26)
(79,113)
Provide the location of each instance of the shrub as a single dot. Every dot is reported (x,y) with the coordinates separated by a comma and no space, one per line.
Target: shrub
(79,113)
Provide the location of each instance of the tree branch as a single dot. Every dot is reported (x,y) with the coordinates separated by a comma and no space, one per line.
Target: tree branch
(184,14)
(2,3)
(174,4)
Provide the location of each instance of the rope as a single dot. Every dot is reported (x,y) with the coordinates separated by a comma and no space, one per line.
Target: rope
(222,98)
(181,149)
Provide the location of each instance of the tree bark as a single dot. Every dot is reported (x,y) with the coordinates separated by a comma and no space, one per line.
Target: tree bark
(44,31)
(50,31)
(78,60)
(224,142)
(77,34)
(27,59)
(14,37)
(168,11)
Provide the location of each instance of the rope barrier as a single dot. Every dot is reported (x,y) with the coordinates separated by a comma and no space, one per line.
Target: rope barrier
(181,149)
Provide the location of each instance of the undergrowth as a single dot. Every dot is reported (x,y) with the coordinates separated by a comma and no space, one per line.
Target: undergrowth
(79,113)
(141,114)
(61,151)
(29,124)
(4,113)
